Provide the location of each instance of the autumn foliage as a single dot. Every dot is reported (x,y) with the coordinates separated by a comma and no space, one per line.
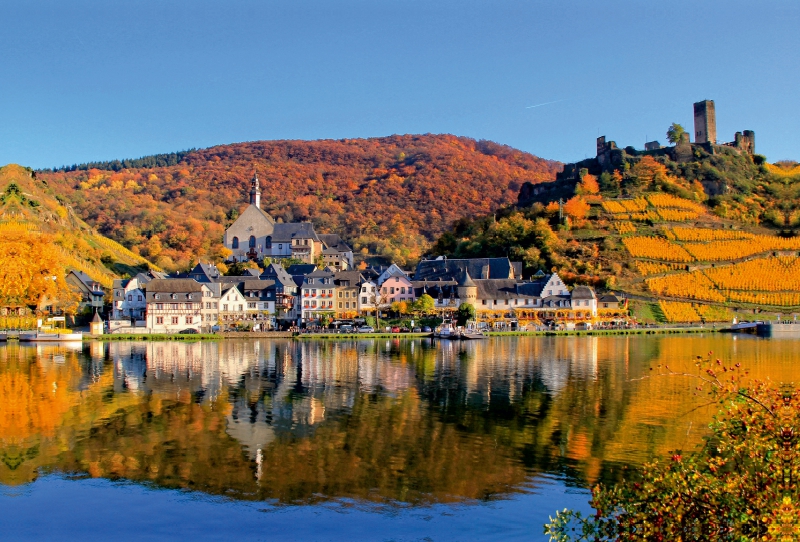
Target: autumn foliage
(388,196)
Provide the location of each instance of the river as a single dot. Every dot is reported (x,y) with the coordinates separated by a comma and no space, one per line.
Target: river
(375,439)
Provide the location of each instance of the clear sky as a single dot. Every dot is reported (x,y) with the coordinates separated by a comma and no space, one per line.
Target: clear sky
(97,80)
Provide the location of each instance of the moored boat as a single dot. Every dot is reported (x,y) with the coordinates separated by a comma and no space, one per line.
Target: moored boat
(447,331)
(470,334)
(43,336)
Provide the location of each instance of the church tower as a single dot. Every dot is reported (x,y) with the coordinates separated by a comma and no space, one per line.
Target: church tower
(255,192)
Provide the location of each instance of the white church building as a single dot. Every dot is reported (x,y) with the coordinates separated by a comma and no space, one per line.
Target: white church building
(255,235)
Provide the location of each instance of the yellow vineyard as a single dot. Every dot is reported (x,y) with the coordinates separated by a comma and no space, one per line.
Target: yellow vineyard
(653,208)
(679,312)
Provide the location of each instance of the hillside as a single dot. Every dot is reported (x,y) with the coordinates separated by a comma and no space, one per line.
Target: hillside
(41,240)
(705,238)
(389,197)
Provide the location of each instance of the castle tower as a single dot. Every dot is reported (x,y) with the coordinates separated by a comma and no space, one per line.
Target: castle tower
(255,192)
(705,122)
(467,289)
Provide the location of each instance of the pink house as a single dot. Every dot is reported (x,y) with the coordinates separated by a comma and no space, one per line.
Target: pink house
(397,287)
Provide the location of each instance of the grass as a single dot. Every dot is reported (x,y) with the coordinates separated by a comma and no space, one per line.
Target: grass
(156,337)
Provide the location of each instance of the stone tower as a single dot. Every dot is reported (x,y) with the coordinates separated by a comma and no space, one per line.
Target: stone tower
(705,122)
(467,289)
(255,192)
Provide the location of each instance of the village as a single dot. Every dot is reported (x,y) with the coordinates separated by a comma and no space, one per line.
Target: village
(321,288)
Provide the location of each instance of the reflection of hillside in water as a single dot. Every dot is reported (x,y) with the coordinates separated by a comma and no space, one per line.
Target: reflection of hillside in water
(371,419)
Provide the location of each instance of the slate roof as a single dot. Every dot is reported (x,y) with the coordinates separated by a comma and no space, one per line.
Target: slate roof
(334,242)
(173,285)
(583,292)
(88,282)
(301,269)
(353,277)
(284,233)
(478,268)
(277,273)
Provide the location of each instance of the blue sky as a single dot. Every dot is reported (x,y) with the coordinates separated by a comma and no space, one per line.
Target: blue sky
(85,80)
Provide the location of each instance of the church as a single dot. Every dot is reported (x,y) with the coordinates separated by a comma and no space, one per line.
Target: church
(255,235)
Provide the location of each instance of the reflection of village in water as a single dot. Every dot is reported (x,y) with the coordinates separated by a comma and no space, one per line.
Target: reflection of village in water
(289,386)
(372,419)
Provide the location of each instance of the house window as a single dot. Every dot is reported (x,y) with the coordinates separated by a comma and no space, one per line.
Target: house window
(241,308)
(159,306)
(208,305)
(235,242)
(188,319)
(268,242)
(188,305)
(280,246)
(364,300)
(402,289)
(484,302)
(347,304)
(159,319)
(174,319)
(340,304)
(391,290)
(340,294)
(174,306)
(140,298)
(130,297)
(252,241)
(225,306)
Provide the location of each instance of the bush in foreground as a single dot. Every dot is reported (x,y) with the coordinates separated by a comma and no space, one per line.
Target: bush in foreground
(741,485)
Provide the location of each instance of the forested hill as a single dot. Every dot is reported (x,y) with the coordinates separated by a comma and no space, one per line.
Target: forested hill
(41,240)
(389,196)
(701,237)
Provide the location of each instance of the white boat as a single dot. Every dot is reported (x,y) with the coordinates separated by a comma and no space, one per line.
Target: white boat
(447,331)
(46,336)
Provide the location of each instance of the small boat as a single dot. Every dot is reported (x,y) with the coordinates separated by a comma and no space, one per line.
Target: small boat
(469,334)
(44,336)
(447,331)
(3,336)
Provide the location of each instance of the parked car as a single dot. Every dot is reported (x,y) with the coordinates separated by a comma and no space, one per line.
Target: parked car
(426,329)
(346,328)
(366,329)
(395,329)
(416,330)
(189,331)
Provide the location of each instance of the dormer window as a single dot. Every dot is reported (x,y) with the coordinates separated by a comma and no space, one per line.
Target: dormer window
(157,296)
(174,296)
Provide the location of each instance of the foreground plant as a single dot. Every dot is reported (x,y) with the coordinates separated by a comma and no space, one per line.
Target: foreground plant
(742,484)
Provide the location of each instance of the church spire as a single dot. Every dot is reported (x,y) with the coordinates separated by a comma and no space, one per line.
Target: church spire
(255,191)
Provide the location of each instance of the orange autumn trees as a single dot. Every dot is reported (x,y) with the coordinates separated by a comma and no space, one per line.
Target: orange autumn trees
(32,271)
(391,196)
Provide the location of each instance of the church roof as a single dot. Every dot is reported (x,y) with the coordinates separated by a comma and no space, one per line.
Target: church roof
(284,233)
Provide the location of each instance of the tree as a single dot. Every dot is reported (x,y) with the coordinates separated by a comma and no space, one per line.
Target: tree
(675,133)
(465,313)
(32,272)
(576,208)
(424,305)
(588,185)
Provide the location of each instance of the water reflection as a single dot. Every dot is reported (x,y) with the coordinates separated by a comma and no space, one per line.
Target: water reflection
(404,420)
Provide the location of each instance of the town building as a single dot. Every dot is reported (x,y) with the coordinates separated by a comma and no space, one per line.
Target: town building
(317,294)
(175,305)
(347,287)
(91,292)
(128,302)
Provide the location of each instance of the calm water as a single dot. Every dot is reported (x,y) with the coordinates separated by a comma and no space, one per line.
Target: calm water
(374,439)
